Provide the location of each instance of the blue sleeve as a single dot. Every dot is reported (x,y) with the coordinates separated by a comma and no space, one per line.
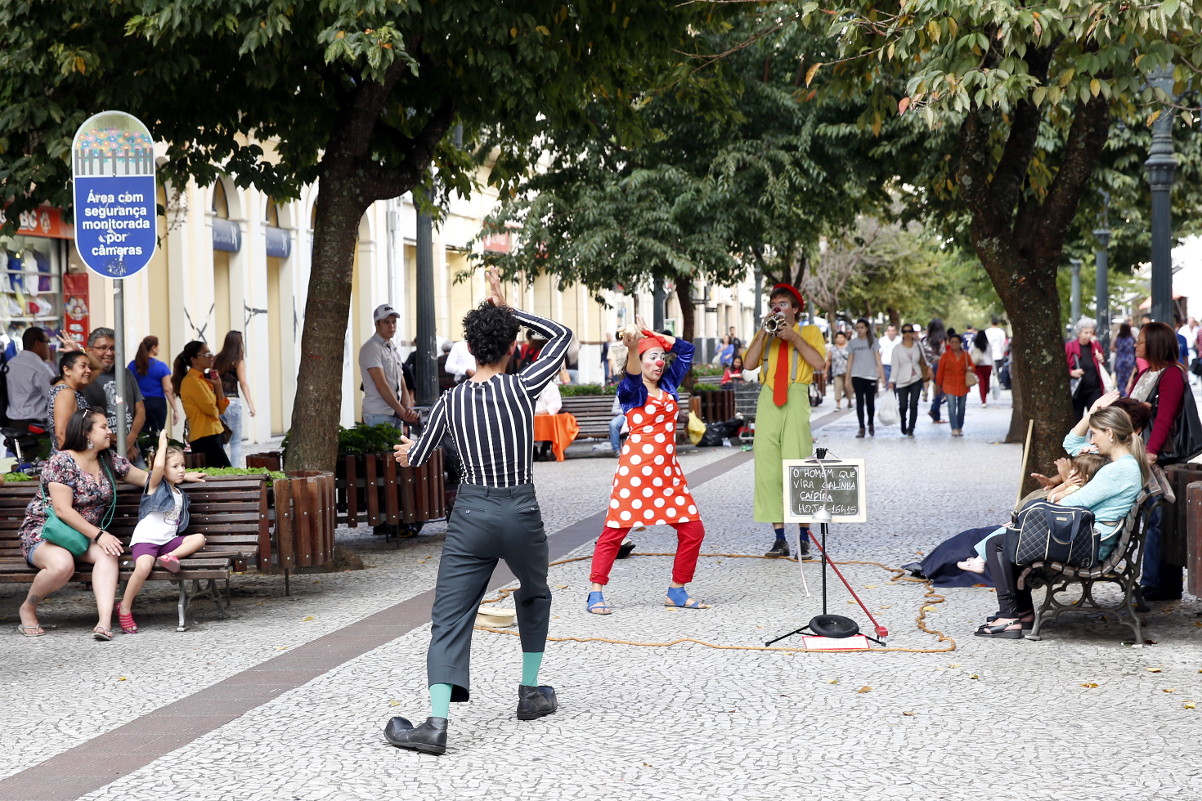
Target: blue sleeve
(679,367)
(1074,444)
(632,393)
(1107,485)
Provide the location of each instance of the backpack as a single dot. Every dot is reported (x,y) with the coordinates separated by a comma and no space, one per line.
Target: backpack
(1046,532)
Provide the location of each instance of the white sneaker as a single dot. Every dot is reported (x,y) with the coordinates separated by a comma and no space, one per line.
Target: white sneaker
(974,565)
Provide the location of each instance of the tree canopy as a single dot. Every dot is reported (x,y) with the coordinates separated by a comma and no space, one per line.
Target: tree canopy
(356,95)
(1002,110)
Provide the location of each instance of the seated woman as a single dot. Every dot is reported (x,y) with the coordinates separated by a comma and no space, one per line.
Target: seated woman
(1109,496)
(66,395)
(940,565)
(79,481)
(733,374)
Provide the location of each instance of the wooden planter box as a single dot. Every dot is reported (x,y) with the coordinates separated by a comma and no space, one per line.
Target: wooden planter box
(374,490)
(714,405)
(305,519)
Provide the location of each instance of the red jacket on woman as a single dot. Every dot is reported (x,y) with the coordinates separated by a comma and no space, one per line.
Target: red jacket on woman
(1170,391)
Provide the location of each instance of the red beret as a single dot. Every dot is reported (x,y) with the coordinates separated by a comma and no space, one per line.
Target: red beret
(792,290)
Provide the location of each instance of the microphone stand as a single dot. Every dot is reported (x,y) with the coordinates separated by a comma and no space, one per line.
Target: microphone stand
(826,625)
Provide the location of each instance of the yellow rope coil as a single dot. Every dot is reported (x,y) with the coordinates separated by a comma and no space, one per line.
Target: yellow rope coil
(930,598)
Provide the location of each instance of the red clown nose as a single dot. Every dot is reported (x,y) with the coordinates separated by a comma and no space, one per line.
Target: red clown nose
(659,362)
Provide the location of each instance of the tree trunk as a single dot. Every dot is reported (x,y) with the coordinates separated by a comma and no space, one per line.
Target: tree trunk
(1037,369)
(1019,241)
(313,441)
(688,319)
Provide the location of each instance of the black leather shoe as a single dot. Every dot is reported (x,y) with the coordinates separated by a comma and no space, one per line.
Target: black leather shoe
(803,548)
(625,549)
(535,702)
(429,738)
(779,548)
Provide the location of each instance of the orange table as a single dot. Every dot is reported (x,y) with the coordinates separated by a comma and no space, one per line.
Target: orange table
(558,429)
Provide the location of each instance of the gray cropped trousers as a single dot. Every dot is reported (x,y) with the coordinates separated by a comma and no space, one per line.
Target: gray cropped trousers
(487,524)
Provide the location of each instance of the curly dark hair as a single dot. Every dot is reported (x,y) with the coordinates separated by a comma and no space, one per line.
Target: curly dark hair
(489,331)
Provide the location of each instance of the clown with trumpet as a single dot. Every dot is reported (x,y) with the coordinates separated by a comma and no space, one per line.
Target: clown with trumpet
(789,355)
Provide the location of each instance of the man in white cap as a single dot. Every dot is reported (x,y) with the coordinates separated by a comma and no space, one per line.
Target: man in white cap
(386,397)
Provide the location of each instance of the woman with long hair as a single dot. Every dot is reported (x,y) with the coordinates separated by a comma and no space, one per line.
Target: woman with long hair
(982,364)
(78,482)
(1123,348)
(733,373)
(199,388)
(230,364)
(66,393)
(1109,495)
(865,373)
(1162,385)
(154,379)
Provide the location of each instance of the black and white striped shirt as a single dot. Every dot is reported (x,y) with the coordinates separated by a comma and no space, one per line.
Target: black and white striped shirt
(492,422)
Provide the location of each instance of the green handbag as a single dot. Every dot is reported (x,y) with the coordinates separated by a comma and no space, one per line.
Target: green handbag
(62,535)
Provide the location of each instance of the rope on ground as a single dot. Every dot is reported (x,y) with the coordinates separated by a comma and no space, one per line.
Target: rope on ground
(930,599)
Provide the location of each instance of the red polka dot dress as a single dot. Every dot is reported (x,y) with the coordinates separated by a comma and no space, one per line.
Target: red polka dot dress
(649,488)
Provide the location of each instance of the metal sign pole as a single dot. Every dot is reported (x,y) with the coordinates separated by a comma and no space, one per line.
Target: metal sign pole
(122,431)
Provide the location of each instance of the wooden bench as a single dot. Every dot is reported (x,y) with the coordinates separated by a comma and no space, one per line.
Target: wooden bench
(231,511)
(1121,568)
(593,413)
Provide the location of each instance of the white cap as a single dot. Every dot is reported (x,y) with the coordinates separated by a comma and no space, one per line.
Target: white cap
(384,311)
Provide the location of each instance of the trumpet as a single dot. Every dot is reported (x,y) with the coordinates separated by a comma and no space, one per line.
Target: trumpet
(773,323)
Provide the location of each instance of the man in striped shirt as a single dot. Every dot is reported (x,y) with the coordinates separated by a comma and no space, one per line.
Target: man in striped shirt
(496,515)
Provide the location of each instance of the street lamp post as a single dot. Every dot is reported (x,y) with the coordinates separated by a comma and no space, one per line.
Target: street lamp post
(1161,167)
(1075,297)
(1102,264)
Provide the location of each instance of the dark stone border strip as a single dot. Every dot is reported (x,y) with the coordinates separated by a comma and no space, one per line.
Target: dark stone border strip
(104,759)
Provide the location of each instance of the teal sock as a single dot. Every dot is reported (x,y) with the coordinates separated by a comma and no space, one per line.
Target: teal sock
(440,700)
(530,665)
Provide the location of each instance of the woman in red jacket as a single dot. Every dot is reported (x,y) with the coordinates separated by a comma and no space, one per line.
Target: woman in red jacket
(1084,355)
(950,378)
(1163,385)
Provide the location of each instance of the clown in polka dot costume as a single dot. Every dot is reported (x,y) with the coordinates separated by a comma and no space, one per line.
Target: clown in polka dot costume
(649,488)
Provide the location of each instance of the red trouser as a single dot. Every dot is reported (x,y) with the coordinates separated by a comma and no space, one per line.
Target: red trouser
(983,371)
(688,535)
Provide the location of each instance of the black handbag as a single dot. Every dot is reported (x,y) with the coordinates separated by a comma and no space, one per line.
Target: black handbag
(1046,532)
(1185,439)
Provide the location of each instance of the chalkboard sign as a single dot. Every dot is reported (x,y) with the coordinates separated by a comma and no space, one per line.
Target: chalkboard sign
(834,484)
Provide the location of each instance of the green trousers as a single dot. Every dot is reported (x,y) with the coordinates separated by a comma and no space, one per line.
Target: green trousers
(781,432)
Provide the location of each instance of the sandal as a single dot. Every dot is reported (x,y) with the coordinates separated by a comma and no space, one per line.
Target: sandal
(596,604)
(30,631)
(1027,620)
(1001,631)
(678,597)
(169,562)
(126,619)
(102,634)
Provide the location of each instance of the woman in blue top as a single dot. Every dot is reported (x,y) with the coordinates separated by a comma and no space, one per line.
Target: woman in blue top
(154,379)
(1109,495)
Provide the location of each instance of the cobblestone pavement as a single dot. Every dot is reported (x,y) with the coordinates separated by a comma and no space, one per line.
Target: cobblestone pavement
(700,711)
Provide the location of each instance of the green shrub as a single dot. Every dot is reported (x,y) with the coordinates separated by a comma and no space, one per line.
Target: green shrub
(569,390)
(274,475)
